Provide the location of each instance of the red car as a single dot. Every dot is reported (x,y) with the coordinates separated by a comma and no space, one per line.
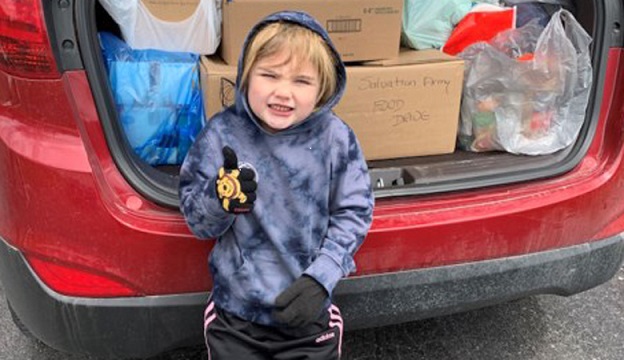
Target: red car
(95,257)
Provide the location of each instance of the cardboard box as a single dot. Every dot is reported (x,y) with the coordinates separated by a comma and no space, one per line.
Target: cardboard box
(171,10)
(407,106)
(218,82)
(360,29)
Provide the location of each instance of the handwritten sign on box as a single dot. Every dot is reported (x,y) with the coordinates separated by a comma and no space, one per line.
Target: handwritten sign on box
(408,106)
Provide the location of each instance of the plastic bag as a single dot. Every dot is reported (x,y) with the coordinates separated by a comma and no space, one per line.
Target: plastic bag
(427,24)
(482,23)
(528,10)
(527,90)
(143,28)
(525,13)
(551,5)
(158,97)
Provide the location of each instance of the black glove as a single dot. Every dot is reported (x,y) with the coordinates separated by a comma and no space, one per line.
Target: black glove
(301,303)
(236,188)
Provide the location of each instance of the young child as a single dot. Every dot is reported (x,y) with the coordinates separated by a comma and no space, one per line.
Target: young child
(282,184)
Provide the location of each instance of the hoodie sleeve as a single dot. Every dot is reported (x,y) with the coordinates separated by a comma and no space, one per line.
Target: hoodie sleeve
(351,208)
(198,196)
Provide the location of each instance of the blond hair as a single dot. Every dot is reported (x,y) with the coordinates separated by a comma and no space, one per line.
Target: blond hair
(303,44)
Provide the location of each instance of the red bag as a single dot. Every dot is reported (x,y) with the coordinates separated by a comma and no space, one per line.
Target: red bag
(482,23)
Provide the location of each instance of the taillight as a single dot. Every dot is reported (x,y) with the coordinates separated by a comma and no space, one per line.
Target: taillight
(70,281)
(24,45)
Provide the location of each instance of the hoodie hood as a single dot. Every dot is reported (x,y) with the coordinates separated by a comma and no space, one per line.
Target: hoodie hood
(307,21)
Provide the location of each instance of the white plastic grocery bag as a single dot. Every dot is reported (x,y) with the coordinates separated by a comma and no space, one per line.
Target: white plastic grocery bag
(199,33)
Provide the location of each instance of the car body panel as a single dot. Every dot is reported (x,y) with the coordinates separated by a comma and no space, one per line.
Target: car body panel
(66,201)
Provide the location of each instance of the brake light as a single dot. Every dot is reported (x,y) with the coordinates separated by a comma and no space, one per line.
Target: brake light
(25,48)
(75,282)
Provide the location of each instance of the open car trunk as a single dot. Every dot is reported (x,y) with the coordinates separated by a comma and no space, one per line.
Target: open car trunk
(420,175)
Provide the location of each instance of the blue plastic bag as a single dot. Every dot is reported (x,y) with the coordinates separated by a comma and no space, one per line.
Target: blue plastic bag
(158,97)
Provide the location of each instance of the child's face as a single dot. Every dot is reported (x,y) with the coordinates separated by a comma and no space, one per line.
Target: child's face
(282,94)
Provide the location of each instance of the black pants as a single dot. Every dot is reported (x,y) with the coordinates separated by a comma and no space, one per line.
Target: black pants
(229,337)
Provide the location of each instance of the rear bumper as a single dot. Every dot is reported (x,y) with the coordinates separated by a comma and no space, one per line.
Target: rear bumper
(411,295)
(108,328)
(146,326)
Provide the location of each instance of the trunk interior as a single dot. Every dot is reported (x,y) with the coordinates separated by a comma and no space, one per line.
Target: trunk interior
(460,170)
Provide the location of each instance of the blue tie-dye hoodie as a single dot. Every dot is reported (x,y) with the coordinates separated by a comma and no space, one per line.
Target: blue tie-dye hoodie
(314,200)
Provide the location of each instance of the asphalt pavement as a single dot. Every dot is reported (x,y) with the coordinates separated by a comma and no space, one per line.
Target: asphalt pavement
(587,326)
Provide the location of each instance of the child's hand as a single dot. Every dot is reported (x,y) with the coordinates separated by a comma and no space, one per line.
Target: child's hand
(236,188)
(301,303)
